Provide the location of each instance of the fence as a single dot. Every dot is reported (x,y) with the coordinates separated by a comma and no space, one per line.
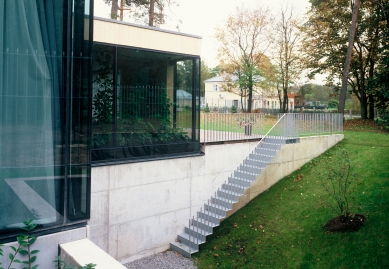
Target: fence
(311,124)
(217,127)
(227,127)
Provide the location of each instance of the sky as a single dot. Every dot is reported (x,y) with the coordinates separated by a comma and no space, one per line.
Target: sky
(201,17)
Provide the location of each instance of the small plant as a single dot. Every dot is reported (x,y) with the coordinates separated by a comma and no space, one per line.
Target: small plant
(25,241)
(206,109)
(338,182)
(24,249)
(234,109)
(62,265)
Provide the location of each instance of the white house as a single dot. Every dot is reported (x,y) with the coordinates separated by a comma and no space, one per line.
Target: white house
(217,95)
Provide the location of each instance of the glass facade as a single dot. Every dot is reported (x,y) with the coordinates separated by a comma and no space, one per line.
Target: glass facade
(145,104)
(45,93)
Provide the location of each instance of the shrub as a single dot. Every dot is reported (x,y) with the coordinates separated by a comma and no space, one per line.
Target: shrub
(234,109)
(206,109)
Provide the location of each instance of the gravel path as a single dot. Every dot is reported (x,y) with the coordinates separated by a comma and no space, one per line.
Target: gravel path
(163,260)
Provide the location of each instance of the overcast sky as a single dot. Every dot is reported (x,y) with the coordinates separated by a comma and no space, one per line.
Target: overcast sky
(201,17)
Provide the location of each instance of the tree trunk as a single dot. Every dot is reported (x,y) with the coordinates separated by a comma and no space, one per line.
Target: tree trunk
(151,12)
(250,100)
(371,106)
(363,101)
(342,98)
(121,9)
(114,10)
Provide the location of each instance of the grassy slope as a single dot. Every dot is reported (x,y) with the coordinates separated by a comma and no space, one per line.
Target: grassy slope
(282,228)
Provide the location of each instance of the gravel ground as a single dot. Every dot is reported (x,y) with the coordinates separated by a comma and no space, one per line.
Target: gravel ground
(163,260)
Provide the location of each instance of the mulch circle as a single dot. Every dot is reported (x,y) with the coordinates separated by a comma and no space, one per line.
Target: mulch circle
(342,224)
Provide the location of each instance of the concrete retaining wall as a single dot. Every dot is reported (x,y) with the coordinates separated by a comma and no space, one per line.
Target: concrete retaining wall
(137,209)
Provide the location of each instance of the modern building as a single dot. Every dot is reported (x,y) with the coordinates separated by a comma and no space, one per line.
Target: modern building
(100,133)
(80,94)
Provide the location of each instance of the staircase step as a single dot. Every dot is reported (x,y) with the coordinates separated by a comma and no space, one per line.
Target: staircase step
(204,224)
(246,176)
(255,163)
(239,181)
(269,146)
(211,216)
(223,201)
(190,241)
(230,187)
(219,210)
(274,140)
(183,249)
(250,169)
(197,232)
(228,195)
(267,152)
(260,157)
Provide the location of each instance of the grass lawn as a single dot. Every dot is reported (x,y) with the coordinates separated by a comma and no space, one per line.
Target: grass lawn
(231,123)
(283,227)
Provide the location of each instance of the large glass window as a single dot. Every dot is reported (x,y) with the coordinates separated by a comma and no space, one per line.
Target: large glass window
(144,104)
(44,113)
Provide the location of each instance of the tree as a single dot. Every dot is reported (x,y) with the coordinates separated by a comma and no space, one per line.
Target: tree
(325,44)
(205,73)
(287,37)
(243,42)
(353,27)
(150,12)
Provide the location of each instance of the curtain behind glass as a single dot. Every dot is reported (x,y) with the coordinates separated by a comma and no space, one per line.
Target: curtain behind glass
(30,124)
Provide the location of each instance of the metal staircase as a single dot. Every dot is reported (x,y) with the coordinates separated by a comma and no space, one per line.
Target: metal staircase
(216,208)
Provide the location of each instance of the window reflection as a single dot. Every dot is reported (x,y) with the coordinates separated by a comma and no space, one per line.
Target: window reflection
(142,104)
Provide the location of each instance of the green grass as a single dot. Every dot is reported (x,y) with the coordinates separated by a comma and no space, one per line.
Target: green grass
(282,227)
(222,122)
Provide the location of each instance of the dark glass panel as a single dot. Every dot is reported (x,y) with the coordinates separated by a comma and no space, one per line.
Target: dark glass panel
(102,100)
(79,193)
(152,103)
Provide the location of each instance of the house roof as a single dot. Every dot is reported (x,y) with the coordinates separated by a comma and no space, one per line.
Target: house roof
(221,79)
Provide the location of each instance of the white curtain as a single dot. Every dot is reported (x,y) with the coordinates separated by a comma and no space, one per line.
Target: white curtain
(30,81)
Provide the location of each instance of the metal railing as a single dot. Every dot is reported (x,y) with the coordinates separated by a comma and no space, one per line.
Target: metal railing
(314,124)
(228,127)
(218,127)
